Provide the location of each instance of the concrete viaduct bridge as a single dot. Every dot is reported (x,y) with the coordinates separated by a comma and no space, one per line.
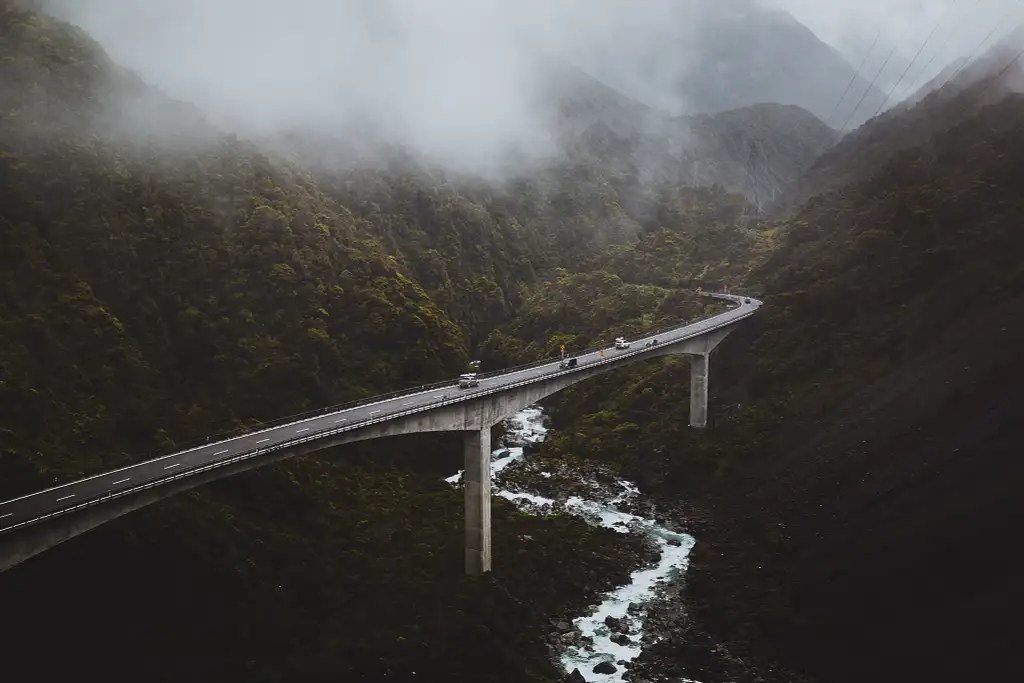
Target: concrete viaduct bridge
(34,523)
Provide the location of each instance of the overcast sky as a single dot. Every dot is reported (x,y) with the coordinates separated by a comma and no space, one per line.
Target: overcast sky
(451,76)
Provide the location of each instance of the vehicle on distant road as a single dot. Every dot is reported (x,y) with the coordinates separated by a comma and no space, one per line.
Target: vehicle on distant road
(653,342)
(567,363)
(746,301)
(468,380)
(621,343)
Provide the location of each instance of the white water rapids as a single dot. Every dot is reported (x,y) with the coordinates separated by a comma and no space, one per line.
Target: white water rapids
(527,426)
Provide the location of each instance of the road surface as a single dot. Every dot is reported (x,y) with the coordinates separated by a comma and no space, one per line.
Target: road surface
(35,507)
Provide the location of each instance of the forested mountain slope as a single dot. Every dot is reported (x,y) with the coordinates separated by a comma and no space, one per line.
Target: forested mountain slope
(473,244)
(861,468)
(160,283)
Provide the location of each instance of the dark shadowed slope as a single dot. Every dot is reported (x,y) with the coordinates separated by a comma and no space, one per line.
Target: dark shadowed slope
(887,422)
(151,291)
(862,469)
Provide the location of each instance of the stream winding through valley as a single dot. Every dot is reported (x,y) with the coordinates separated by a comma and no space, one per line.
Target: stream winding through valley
(624,607)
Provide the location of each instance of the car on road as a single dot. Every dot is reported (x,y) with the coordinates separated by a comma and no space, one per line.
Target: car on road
(468,380)
(746,301)
(567,363)
(653,342)
(621,343)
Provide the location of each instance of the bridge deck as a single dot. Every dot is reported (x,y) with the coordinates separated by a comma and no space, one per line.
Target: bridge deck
(96,489)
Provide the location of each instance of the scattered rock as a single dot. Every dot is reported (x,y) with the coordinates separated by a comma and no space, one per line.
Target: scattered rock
(574,677)
(614,624)
(675,541)
(605,668)
(621,639)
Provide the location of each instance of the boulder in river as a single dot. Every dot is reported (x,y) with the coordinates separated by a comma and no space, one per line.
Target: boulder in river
(614,623)
(605,668)
(574,677)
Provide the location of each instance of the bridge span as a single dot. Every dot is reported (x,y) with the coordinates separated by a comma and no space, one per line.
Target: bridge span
(31,524)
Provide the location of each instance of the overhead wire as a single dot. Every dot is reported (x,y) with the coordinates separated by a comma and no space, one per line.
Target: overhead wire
(854,77)
(992,80)
(868,89)
(924,69)
(935,56)
(974,53)
(912,61)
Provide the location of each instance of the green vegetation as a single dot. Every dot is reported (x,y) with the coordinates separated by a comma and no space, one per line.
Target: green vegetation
(857,285)
(153,291)
(155,288)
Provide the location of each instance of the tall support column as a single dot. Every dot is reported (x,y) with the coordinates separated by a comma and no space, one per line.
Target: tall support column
(699,365)
(477,478)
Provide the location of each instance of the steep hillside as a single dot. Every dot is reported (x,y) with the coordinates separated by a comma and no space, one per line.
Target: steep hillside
(753,150)
(474,244)
(749,53)
(708,56)
(860,470)
(162,284)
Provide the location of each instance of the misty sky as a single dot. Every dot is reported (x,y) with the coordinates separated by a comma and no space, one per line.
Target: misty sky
(453,77)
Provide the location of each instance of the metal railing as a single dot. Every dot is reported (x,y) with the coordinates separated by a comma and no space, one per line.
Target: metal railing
(373,419)
(398,393)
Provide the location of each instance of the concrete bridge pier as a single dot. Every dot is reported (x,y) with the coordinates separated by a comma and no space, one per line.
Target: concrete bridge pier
(473,414)
(699,366)
(477,479)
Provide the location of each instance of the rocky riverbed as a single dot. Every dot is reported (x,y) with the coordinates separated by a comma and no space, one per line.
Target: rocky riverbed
(602,644)
(640,632)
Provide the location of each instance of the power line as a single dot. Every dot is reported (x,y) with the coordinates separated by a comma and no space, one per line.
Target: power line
(973,53)
(924,69)
(969,58)
(995,79)
(868,89)
(938,52)
(854,77)
(912,61)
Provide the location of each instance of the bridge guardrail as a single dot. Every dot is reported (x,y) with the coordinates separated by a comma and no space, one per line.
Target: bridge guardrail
(299,417)
(320,433)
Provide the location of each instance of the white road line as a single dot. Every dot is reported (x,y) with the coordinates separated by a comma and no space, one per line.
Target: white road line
(222,452)
(120,481)
(7,515)
(344,419)
(177,464)
(263,440)
(299,431)
(65,498)
(409,403)
(437,396)
(374,412)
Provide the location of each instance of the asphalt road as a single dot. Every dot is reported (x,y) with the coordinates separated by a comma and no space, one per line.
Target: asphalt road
(34,507)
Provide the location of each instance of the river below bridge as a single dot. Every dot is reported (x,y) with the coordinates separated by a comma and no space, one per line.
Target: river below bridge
(612,635)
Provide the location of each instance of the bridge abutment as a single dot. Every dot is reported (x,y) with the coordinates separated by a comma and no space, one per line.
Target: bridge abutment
(476,450)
